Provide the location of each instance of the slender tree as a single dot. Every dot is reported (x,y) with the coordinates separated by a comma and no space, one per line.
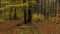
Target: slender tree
(10,11)
(25,14)
(15,16)
(29,13)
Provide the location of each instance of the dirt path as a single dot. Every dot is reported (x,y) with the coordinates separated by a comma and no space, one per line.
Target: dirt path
(43,28)
(48,28)
(10,24)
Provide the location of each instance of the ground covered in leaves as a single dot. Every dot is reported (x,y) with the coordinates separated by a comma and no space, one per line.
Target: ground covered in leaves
(44,27)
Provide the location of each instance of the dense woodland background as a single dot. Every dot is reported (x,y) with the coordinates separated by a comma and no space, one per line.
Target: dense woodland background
(33,9)
(30,11)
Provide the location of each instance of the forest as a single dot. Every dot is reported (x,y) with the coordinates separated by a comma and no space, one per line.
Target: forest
(16,13)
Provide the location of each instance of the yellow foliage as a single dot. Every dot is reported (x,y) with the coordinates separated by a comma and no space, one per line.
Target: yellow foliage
(41,17)
(36,17)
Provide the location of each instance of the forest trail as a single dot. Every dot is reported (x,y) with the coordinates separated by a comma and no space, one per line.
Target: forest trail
(48,28)
(42,28)
(10,24)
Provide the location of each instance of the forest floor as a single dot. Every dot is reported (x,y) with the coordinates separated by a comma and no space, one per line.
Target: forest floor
(42,28)
(48,28)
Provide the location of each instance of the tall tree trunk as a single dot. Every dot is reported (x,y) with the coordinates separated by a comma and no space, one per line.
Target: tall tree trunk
(0,7)
(10,13)
(29,14)
(15,16)
(25,14)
